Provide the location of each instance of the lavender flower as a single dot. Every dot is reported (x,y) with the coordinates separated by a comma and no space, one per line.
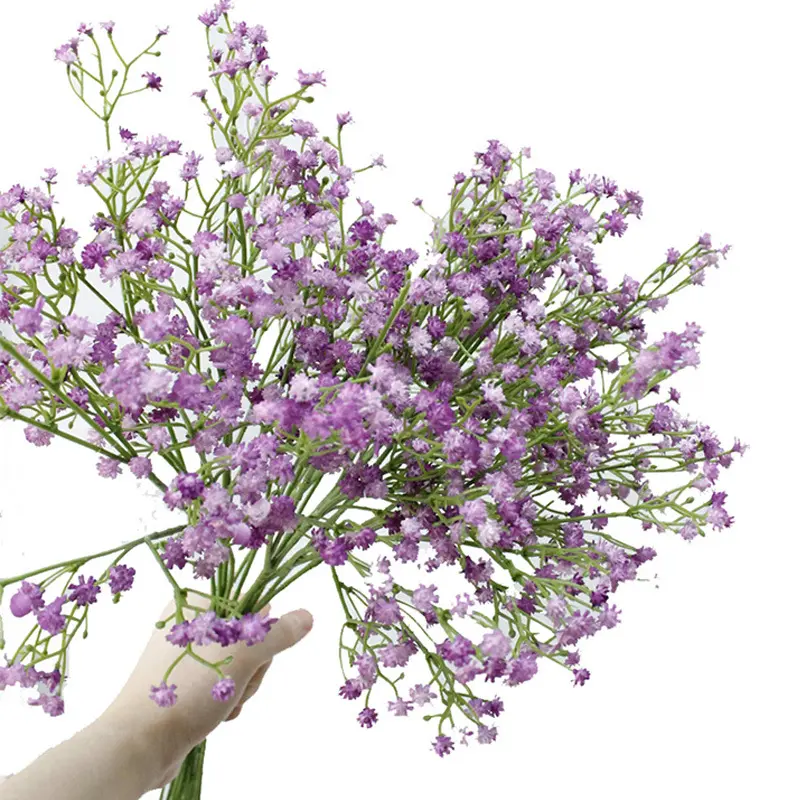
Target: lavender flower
(224,690)
(85,592)
(120,578)
(163,695)
(27,599)
(153,81)
(367,717)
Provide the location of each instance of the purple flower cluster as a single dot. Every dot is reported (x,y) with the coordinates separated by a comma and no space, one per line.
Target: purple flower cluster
(334,551)
(48,683)
(208,628)
(120,578)
(29,598)
(221,521)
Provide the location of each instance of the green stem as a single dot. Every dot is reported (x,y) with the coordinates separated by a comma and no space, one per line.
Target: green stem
(85,559)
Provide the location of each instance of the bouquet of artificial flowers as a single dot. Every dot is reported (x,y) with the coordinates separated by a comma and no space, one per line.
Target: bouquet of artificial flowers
(305,396)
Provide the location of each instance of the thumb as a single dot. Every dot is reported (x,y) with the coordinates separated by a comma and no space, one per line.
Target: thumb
(285,633)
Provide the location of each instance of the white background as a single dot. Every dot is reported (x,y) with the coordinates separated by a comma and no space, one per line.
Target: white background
(695,694)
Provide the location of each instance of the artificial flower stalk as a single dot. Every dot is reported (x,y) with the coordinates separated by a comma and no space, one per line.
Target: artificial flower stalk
(305,396)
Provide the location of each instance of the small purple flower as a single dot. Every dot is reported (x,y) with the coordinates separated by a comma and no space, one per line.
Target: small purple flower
(384,610)
(85,592)
(581,676)
(28,319)
(66,54)
(522,668)
(237,200)
(573,658)
(396,655)
(457,651)
(50,618)
(400,707)
(644,554)
(424,597)
(120,578)
(255,628)
(174,554)
(598,597)
(350,689)
(442,745)
(142,221)
(163,695)
(364,539)
(190,485)
(333,551)
(367,717)
(27,599)
(303,128)
(140,466)
(108,467)
(717,516)
(204,628)
(421,694)
(229,631)
(609,616)
(36,436)
(224,690)
(190,168)
(486,735)
(494,668)
(310,78)
(153,80)
(11,676)
(51,704)
(180,635)
(51,680)
(210,17)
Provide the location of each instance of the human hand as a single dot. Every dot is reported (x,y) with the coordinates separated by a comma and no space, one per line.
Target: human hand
(165,736)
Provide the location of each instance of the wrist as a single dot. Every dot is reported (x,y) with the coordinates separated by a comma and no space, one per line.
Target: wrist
(109,758)
(142,743)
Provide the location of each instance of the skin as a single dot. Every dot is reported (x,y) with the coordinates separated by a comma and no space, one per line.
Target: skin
(135,746)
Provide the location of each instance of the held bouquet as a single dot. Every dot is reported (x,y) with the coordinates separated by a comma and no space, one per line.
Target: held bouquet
(305,396)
